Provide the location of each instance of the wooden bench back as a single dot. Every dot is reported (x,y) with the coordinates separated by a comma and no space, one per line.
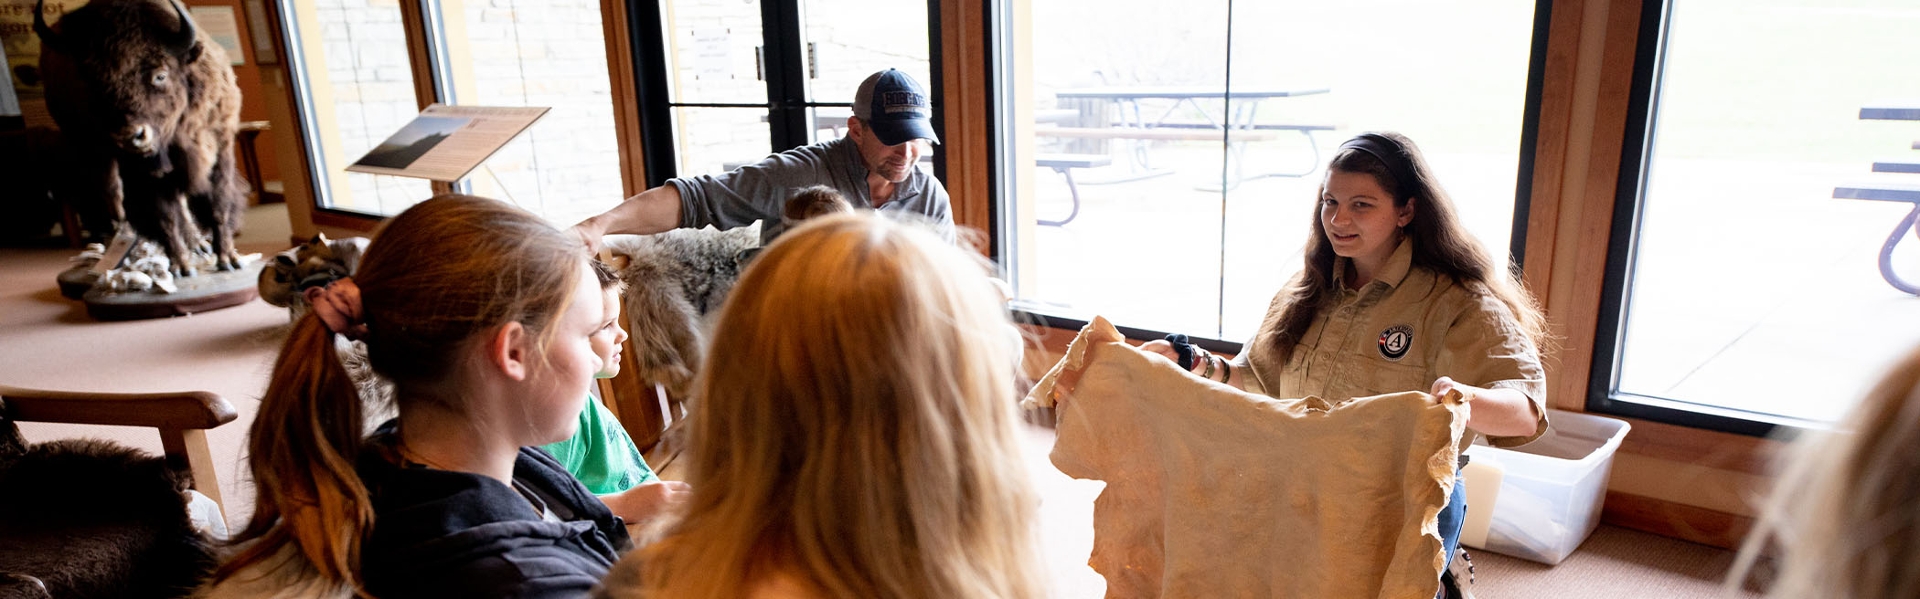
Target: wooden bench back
(182,418)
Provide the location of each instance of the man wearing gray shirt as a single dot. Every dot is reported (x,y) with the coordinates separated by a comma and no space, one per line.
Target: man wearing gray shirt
(874,166)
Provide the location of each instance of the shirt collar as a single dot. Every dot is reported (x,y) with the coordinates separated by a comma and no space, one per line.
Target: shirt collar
(858,167)
(1390,275)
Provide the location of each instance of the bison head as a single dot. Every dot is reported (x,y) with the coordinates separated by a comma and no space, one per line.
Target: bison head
(127,63)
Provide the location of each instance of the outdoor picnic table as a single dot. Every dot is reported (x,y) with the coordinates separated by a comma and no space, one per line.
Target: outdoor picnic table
(1239,116)
(1891,192)
(1226,114)
(1890,113)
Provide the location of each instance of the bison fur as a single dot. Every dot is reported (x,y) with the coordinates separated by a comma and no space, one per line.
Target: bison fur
(147,102)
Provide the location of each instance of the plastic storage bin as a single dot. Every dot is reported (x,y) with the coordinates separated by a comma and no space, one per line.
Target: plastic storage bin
(1541,500)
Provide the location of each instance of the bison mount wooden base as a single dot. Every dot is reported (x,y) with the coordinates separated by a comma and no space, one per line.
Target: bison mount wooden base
(74,282)
(209,290)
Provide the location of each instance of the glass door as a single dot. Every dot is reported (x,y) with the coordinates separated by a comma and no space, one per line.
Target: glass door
(736,80)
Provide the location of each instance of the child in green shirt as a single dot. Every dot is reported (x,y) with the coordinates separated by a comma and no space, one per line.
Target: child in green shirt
(600,453)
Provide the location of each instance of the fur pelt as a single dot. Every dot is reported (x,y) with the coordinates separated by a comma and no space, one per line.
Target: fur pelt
(149,103)
(317,263)
(90,518)
(285,575)
(676,281)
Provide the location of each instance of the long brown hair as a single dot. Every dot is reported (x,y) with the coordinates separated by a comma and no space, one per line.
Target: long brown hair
(1843,519)
(1440,243)
(434,277)
(856,429)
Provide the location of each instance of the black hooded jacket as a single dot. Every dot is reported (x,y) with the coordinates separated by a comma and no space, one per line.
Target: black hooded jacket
(438,533)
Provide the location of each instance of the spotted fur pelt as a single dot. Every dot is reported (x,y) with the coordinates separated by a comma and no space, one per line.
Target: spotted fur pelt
(317,263)
(91,518)
(676,282)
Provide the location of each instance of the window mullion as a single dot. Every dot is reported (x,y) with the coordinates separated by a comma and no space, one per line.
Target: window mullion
(786,74)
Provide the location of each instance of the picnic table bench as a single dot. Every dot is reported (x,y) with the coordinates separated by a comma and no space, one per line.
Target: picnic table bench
(1064,164)
(1891,192)
(1909,193)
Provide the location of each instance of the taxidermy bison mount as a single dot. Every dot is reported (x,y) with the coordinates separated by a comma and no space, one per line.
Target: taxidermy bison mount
(149,104)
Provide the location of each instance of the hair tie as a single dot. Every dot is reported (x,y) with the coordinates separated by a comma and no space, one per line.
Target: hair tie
(338,306)
(1389,153)
(1182,347)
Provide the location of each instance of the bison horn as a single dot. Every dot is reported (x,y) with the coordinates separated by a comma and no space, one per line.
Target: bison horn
(40,27)
(183,41)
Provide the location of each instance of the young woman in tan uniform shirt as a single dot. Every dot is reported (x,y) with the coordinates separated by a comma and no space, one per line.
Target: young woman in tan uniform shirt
(1395,295)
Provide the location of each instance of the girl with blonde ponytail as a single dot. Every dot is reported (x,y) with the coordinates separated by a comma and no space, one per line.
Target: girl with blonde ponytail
(480,314)
(855,434)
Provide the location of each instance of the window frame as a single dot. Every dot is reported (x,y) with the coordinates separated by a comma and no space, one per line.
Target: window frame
(1602,394)
(433,58)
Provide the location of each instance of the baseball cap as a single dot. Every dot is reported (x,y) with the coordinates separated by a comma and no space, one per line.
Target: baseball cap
(895,108)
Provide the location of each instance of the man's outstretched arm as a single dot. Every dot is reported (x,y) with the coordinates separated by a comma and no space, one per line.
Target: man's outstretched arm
(649,212)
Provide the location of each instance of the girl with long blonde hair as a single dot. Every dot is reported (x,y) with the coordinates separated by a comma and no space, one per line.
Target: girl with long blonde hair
(482,317)
(855,434)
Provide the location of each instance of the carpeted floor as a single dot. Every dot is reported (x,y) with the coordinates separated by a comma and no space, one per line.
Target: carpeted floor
(1614,563)
(47,341)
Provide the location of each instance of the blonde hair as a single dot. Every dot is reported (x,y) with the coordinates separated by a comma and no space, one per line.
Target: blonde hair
(856,429)
(1843,520)
(434,276)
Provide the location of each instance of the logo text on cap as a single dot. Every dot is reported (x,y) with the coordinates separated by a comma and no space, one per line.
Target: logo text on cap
(903,101)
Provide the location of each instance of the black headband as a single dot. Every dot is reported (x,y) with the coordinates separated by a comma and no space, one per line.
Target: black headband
(1389,153)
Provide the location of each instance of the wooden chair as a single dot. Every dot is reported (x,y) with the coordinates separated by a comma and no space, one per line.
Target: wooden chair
(183,420)
(88,518)
(651,415)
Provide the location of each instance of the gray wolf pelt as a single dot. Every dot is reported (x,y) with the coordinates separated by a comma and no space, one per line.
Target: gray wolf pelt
(675,280)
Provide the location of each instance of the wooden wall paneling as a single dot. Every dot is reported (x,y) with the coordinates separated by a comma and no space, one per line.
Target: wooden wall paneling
(1725,451)
(614,23)
(1550,146)
(967,84)
(1584,111)
(1608,43)
(1575,242)
(1688,523)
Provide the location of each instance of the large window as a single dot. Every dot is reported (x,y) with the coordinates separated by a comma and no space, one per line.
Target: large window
(1160,167)
(355,62)
(1746,282)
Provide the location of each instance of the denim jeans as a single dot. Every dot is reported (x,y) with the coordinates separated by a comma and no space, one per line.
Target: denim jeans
(1451,518)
